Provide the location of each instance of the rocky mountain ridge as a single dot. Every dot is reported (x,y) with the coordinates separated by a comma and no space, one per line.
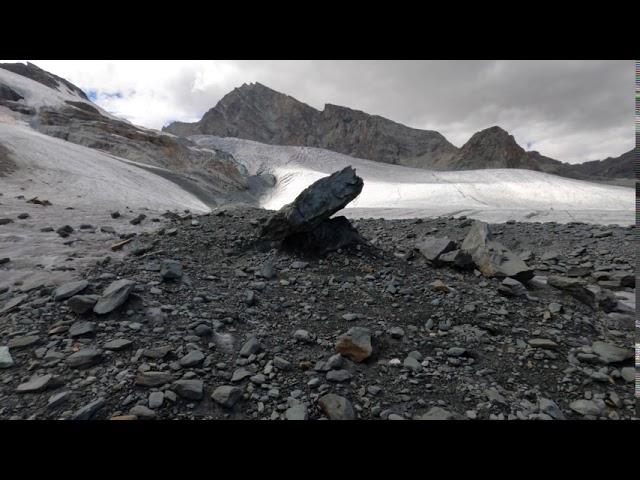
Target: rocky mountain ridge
(256,112)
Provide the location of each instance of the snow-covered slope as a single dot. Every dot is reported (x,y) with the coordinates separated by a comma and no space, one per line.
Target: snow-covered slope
(393,191)
(63,172)
(37,95)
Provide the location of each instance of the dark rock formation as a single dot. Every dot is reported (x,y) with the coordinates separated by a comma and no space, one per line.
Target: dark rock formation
(315,204)
(256,112)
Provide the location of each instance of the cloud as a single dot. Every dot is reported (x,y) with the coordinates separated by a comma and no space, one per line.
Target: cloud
(570,110)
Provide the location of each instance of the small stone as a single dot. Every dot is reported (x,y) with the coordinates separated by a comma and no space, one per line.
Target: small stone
(114,296)
(355,344)
(84,358)
(39,383)
(190,389)
(227,395)
(193,358)
(88,411)
(396,332)
(118,344)
(69,290)
(82,329)
(23,342)
(438,413)
(142,412)
(336,407)
(628,374)
(339,375)
(588,407)
(543,343)
(250,347)
(551,408)
(171,270)
(156,399)
(610,353)
(82,303)
(282,364)
(297,412)
(58,399)
(302,336)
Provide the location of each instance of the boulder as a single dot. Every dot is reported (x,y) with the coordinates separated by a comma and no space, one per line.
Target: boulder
(492,258)
(114,296)
(69,290)
(433,247)
(355,344)
(317,203)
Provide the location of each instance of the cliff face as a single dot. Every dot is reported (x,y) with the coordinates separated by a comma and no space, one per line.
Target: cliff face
(256,112)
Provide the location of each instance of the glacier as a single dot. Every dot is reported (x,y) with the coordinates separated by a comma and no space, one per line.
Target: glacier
(395,192)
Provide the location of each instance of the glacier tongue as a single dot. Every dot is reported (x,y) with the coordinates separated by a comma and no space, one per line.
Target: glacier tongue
(392,191)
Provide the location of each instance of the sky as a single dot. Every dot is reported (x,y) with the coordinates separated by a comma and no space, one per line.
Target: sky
(572,111)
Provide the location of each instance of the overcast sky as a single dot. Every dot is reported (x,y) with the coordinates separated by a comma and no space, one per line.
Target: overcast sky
(569,110)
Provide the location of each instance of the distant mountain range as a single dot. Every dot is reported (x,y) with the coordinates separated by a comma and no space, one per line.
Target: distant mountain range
(256,112)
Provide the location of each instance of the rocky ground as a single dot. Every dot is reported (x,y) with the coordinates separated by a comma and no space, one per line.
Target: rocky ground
(201,321)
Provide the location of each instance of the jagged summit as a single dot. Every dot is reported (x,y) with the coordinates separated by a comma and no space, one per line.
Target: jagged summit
(256,112)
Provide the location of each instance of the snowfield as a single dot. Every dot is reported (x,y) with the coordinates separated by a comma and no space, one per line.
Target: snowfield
(392,191)
(70,174)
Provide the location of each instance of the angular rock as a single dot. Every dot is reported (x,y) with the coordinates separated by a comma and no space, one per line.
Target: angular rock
(88,411)
(156,399)
(492,258)
(39,383)
(191,359)
(82,303)
(189,389)
(114,296)
(336,407)
(84,358)
(13,304)
(609,353)
(551,408)
(142,412)
(543,343)
(227,395)
(355,344)
(23,342)
(171,270)
(69,290)
(118,344)
(250,347)
(82,329)
(433,247)
(315,204)
(339,375)
(588,407)
(456,258)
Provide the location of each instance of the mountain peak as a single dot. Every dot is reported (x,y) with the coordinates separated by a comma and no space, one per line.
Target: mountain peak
(35,73)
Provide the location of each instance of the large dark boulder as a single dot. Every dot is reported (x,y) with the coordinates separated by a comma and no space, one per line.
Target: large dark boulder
(329,236)
(314,205)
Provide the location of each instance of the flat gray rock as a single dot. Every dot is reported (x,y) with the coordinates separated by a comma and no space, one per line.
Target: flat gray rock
(81,329)
(69,290)
(84,358)
(39,383)
(297,412)
(117,344)
(438,413)
(17,343)
(114,296)
(609,353)
(88,411)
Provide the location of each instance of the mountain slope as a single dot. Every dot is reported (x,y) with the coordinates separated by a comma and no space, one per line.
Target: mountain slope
(59,109)
(256,112)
